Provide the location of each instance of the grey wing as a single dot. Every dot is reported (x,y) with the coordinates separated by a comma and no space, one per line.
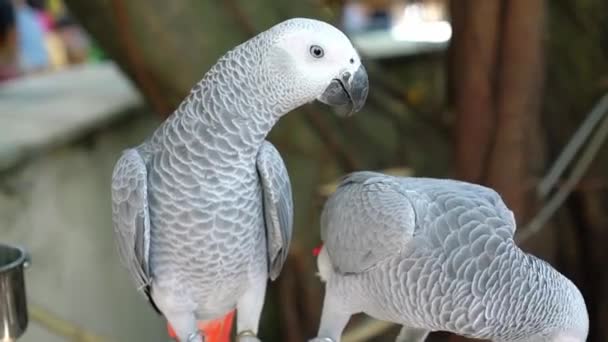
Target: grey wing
(130,215)
(278,206)
(448,207)
(366,220)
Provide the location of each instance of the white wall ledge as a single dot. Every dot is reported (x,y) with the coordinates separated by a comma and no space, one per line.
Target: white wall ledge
(46,110)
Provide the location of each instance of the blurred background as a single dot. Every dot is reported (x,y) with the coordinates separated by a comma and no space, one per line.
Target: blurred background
(506,93)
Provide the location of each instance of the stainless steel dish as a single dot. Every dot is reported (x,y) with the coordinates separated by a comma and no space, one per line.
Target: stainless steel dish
(13,302)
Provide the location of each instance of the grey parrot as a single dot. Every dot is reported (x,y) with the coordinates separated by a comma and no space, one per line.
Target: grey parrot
(202,209)
(438,255)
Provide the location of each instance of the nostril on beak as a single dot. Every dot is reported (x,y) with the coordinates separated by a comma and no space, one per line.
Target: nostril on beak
(346,76)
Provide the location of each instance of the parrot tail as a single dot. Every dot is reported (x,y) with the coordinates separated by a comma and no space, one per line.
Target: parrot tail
(323,263)
(317,250)
(217,330)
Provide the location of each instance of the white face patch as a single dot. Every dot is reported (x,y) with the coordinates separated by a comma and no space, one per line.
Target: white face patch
(317,54)
(304,60)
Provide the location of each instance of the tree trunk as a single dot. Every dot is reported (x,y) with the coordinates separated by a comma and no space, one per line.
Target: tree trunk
(497,75)
(577,65)
(474,58)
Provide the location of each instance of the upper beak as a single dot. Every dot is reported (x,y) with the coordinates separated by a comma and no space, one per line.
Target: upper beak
(348,92)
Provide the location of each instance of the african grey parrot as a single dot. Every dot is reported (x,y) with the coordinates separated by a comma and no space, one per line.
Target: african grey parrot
(438,254)
(203,209)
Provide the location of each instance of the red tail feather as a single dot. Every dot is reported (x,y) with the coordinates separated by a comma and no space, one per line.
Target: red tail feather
(217,330)
(317,250)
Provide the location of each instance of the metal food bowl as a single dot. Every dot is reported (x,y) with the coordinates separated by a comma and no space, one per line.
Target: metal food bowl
(13,303)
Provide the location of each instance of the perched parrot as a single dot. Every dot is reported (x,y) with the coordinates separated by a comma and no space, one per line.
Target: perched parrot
(438,255)
(202,209)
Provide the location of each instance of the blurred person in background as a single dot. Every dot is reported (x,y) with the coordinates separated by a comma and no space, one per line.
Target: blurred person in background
(39,35)
(44,18)
(53,42)
(75,40)
(8,41)
(33,54)
(354,17)
(75,43)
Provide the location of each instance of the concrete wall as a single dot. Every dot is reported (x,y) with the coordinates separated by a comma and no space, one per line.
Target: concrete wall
(56,203)
(58,207)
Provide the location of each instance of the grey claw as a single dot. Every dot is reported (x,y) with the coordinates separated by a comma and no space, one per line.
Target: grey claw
(196,337)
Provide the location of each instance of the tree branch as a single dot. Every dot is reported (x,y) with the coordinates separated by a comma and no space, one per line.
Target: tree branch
(345,159)
(61,327)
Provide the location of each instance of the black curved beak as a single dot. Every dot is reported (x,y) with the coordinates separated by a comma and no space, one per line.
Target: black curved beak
(348,93)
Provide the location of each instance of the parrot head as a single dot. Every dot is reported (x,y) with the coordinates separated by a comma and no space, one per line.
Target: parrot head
(320,61)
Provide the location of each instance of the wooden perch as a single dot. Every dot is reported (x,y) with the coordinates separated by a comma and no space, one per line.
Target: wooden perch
(368,329)
(62,327)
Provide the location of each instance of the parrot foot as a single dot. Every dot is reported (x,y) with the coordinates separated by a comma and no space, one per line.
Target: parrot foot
(247,336)
(196,337)
(321,339)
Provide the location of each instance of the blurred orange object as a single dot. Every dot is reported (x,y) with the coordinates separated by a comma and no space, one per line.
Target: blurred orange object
(217,330)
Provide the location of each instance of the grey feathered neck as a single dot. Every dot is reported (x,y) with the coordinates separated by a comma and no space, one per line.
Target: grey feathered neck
(242,96)
(229,110)
(231,95)
(246,88)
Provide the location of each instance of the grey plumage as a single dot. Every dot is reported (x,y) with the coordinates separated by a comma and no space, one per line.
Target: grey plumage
(278,206)
(130,215)
(203,209)
(435,254)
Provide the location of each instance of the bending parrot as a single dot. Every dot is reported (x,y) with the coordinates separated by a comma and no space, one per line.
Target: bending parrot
(203,208)
(433,254)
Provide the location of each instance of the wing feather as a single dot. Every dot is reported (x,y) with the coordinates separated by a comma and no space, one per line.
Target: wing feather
(366,220)
(278,206)
(130,216)
(373,216)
